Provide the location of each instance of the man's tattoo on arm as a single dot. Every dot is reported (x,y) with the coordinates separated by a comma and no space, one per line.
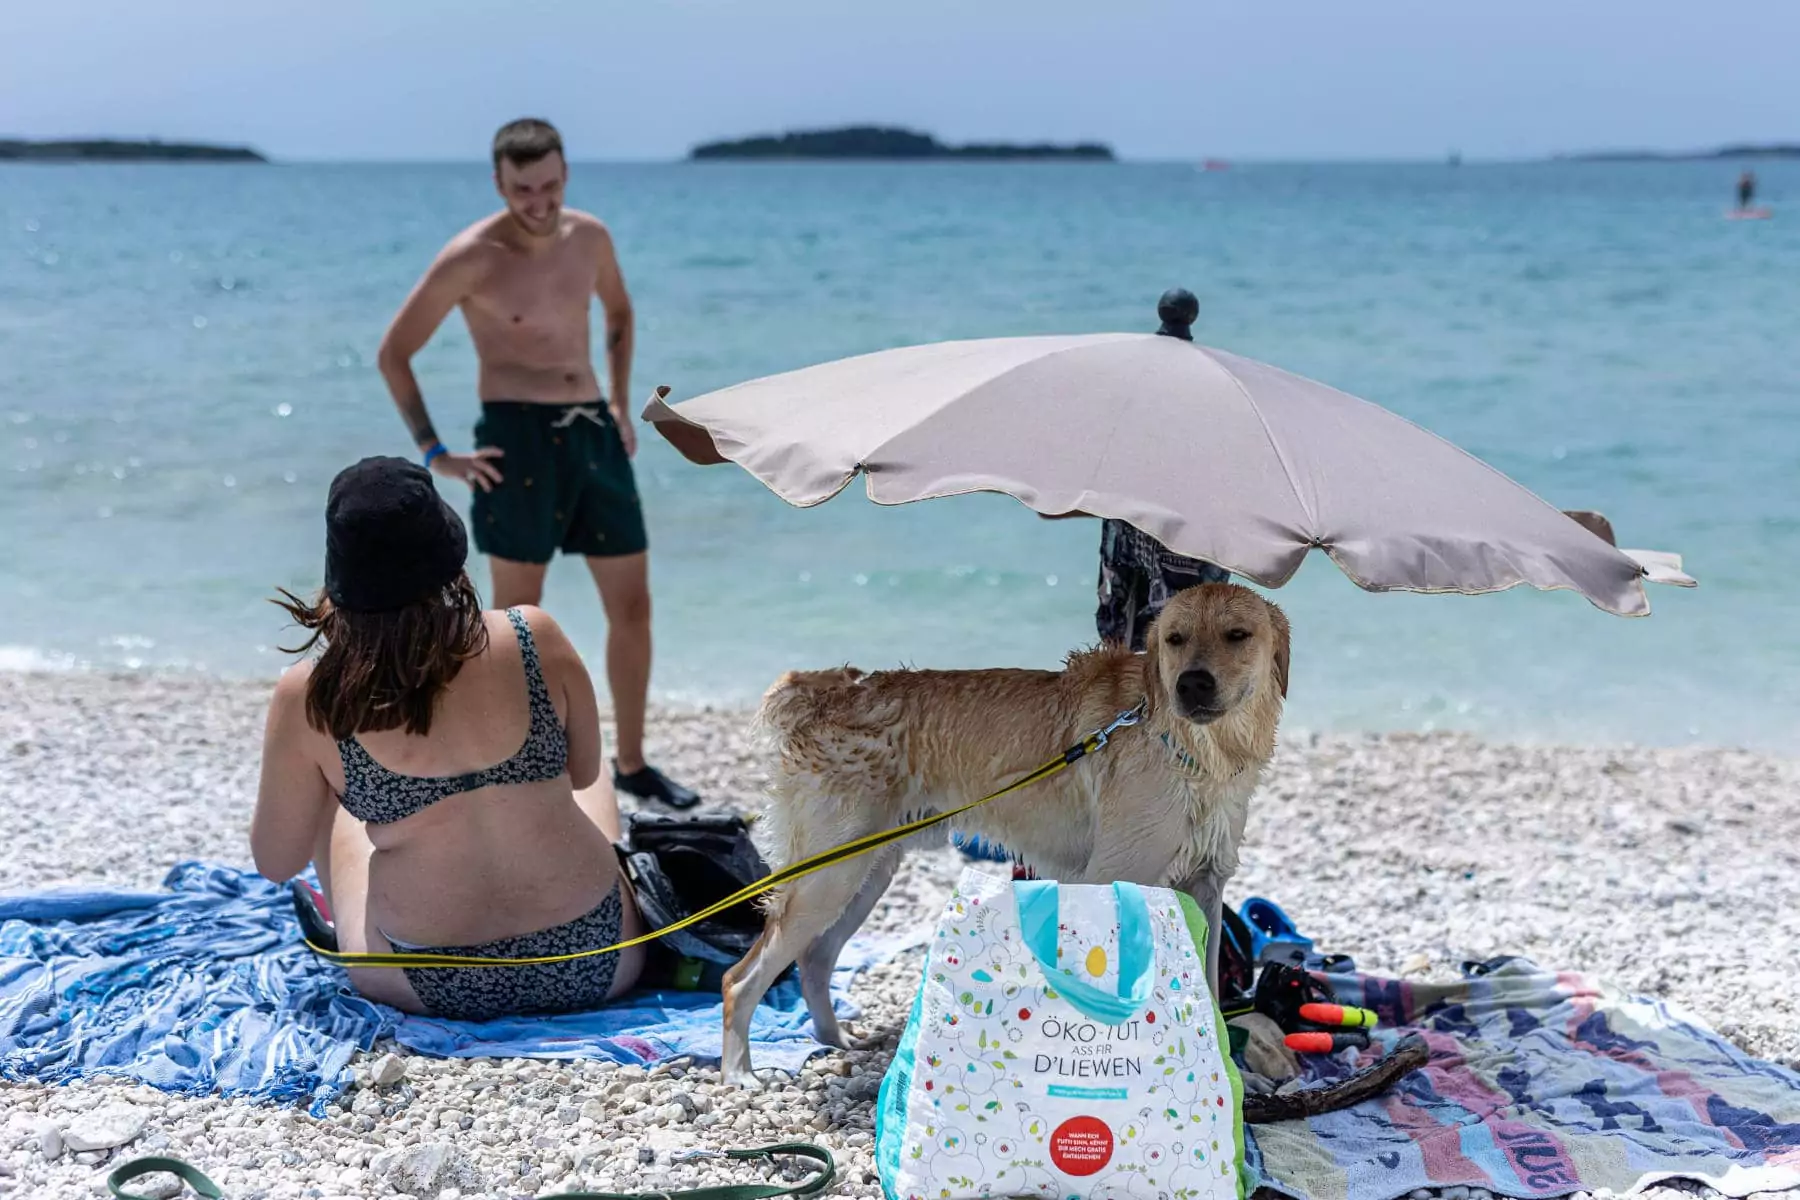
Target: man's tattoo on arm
(614,337)
(423,433)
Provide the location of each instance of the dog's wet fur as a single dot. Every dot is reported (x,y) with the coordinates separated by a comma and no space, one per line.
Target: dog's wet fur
(1164,804)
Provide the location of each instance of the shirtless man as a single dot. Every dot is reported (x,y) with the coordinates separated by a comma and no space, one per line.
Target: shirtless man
(551,469)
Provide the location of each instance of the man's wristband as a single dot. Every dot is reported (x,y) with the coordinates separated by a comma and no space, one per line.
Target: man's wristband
(437,448)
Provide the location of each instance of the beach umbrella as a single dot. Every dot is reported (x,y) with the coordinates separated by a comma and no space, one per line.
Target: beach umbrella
(1217,456)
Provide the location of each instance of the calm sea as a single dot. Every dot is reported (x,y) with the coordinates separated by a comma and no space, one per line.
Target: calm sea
(186,357)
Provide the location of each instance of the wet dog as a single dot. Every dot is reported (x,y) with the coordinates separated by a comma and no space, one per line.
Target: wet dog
(1164,804)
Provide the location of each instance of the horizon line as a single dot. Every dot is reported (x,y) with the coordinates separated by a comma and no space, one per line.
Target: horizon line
(1584,157)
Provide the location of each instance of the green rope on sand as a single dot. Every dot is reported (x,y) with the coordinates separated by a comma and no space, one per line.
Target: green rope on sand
(817,1182)
(190,1175)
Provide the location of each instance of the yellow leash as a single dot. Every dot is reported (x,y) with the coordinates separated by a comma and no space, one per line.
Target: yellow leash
(806,866)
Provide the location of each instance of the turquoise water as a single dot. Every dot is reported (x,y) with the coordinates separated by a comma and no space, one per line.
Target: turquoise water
(186,357)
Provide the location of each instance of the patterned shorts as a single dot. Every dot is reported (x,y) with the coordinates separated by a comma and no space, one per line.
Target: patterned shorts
(483,993)
(1137,577)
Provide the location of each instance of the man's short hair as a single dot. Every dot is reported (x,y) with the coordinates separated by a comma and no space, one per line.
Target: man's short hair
(525,141)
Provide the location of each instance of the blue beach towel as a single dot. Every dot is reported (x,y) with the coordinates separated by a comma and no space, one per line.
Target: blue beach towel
(207,987)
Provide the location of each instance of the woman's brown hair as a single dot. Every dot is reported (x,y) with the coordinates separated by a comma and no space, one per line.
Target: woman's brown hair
(382,670)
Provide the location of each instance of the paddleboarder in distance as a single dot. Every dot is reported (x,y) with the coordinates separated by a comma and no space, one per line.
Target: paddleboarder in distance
(1746,190)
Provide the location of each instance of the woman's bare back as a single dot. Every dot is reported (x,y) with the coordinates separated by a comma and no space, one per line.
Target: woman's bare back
(481,865)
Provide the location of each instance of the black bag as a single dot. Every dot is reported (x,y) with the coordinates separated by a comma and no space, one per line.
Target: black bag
(679,865)
(1237,969)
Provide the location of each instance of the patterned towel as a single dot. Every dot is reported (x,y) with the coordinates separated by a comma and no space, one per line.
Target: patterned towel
(1541,1084)
(207,987)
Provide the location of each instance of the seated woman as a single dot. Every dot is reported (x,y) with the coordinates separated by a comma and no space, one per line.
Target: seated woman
(438,765)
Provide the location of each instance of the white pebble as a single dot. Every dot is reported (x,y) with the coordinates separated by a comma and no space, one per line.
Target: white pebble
(425,1170)
(160,1186)
(389,1069)
(105,1128)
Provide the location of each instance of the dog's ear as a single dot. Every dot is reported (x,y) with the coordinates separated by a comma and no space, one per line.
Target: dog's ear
(1152,668)
(1283,646)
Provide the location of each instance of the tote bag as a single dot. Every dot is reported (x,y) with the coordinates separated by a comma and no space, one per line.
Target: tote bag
(1063,1044)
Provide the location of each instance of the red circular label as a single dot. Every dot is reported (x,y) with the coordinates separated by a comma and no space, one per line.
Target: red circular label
(1081,1146)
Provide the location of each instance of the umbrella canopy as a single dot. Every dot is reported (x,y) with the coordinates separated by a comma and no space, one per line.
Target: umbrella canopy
(1217,456)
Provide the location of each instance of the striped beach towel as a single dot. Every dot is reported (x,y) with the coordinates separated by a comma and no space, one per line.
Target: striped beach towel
(1541,1084)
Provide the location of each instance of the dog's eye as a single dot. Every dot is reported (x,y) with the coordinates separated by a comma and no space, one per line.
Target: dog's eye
(1176,639)
(1237,635)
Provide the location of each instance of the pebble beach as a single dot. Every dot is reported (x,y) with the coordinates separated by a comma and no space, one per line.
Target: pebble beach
(1673,873)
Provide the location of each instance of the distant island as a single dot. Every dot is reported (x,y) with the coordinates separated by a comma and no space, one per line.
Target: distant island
(874,141)
(117,150)
(1770,150)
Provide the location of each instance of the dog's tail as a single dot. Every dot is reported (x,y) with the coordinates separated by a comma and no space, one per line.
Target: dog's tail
(805,722)
(797,701)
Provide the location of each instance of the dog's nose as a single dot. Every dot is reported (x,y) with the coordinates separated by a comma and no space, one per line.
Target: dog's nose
(1197,688)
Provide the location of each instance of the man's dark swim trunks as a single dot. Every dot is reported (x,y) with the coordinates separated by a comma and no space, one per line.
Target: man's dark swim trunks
(566,484)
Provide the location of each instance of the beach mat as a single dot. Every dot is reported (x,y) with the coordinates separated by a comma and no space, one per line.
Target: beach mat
(207,987)
(1540,1084)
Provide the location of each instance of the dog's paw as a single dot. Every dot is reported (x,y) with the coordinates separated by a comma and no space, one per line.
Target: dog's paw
(841,1037)
(861,1038)
(743,1080)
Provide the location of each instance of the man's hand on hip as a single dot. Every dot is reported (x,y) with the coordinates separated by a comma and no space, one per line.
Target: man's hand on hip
(476,470)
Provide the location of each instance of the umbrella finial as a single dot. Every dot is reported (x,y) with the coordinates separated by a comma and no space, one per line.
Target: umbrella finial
(1179,309)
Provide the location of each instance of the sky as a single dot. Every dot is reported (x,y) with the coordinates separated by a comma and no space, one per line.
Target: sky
(646,79)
